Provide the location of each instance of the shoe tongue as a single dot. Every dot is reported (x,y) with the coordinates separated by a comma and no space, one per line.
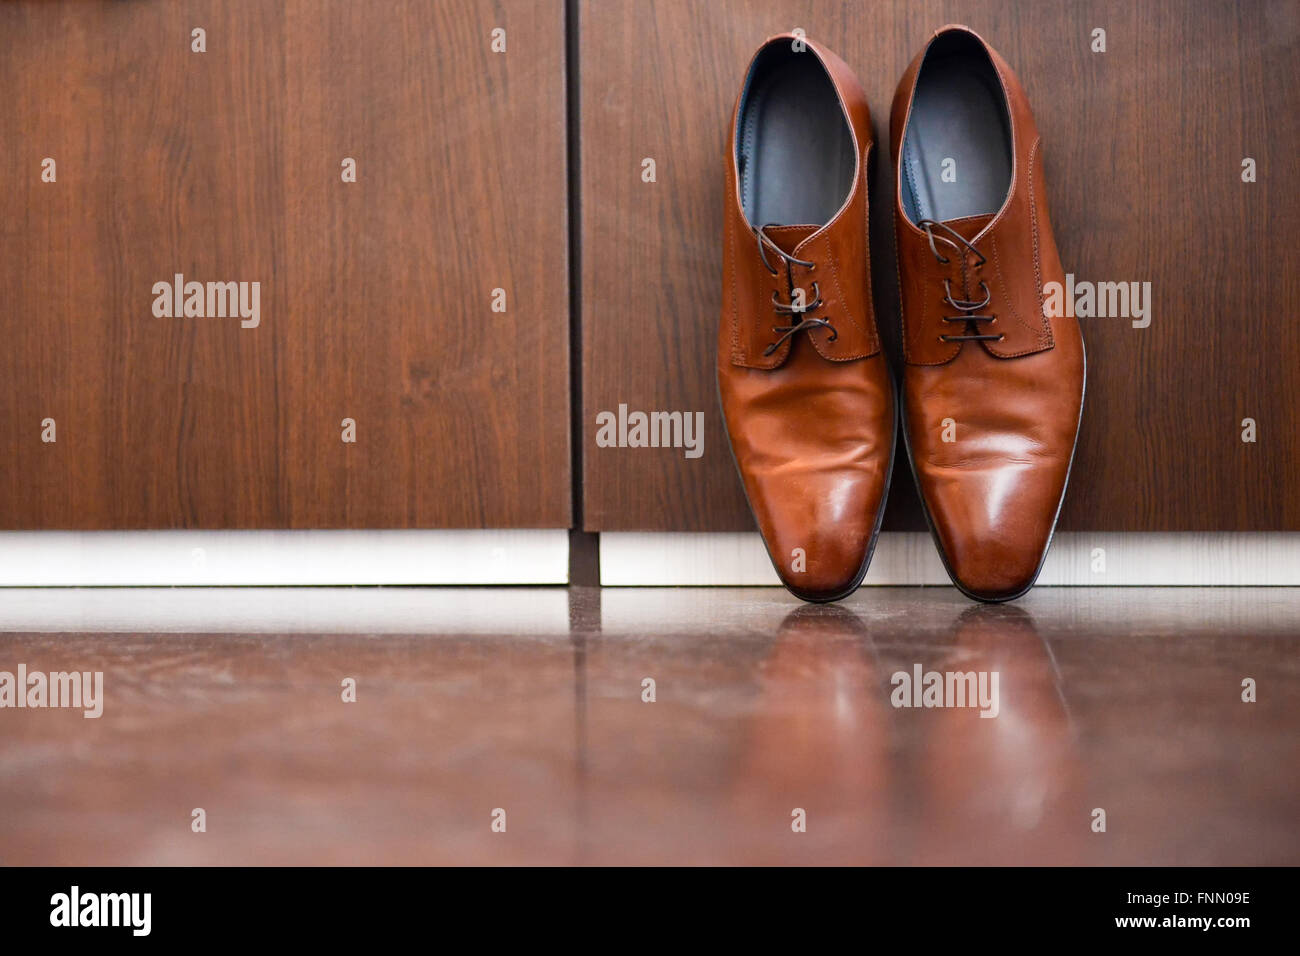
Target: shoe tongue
(787,238)
(968,227)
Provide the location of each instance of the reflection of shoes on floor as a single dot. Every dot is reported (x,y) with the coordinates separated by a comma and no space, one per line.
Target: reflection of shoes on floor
(1002,789)
(817,741)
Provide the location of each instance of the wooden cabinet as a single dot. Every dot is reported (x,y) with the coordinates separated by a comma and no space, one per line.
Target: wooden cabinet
(424,308)
(1144,147)
(376,297)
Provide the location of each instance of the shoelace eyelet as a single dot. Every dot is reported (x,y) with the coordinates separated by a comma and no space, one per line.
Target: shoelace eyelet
(805,322)
(968,309)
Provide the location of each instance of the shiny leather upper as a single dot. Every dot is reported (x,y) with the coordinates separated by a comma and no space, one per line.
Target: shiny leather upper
(993,493)
(811,422)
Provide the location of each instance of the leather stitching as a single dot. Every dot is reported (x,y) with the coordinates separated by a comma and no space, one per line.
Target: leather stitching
(1045,333)
(904,337)
(1038,347)
(844,304)
(839,287)
(1002,281)
(741,355)
(909,166)
(873,336)
(925,322)
(747,143)
(737,354)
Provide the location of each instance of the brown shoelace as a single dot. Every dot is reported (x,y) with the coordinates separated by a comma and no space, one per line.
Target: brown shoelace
(967,308)
(804,323)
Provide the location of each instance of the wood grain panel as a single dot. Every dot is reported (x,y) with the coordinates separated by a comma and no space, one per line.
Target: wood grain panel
(1143,149)
(376,296)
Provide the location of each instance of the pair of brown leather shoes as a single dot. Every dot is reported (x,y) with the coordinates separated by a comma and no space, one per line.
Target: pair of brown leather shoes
(992,386)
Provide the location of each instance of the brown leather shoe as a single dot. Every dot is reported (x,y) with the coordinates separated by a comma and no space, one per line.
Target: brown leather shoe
(992,387)
(805,391)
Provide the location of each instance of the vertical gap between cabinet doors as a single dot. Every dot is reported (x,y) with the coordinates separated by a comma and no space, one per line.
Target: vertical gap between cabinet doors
(584,546)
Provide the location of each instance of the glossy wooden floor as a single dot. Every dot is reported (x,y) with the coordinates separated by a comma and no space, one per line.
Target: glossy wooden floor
(472,700)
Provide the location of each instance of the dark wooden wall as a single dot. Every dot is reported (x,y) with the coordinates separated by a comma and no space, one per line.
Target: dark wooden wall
(1143,149)
(375,296)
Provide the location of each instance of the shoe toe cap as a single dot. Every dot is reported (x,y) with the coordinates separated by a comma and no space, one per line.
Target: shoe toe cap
(994,527)
(820,533)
